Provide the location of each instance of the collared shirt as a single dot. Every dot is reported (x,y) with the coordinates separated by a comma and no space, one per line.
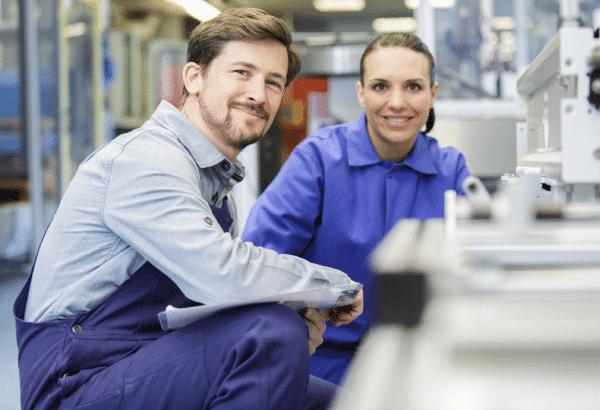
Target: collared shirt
(146,196)
(334,200)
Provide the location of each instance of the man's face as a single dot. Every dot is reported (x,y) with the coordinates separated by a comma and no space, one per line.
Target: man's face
(241,90)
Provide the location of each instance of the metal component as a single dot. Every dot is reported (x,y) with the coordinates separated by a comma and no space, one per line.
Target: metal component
(594,63)
(476,193)
(562,125)
(30,96)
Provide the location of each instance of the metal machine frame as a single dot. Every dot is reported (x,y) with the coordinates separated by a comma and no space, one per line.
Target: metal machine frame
(562,88)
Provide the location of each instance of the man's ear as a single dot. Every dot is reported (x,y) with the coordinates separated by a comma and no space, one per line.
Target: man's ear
(192,78)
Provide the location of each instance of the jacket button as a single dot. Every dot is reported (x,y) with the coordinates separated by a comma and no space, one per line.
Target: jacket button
(77,329)
(225,165)
(65,375)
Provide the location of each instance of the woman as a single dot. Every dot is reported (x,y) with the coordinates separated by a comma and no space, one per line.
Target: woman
(344,188)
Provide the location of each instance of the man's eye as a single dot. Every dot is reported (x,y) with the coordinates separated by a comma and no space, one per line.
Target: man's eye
(275,84)
(242,72)
(378,87)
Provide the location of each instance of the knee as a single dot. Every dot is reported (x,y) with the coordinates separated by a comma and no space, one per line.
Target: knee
(283,331)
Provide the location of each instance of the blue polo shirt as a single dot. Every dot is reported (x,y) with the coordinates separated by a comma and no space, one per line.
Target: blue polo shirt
(334,200)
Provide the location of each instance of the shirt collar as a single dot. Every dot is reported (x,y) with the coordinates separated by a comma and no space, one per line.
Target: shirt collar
(362,153)
(203,151)
(360,149)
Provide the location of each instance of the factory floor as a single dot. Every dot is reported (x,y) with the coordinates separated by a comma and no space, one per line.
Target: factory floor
(12,279)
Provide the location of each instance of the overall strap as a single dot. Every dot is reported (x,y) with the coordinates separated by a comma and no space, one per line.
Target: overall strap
(223,215)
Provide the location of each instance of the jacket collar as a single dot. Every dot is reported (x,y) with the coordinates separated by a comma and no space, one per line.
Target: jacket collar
(362,153)
(203,151)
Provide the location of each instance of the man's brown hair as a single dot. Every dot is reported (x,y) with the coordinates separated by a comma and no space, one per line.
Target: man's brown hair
(208,38)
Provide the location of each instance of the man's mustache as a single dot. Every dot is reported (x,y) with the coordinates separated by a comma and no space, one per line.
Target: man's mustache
(258,109)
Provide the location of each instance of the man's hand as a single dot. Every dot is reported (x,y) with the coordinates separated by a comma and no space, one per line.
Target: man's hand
(316,327)
(343,315)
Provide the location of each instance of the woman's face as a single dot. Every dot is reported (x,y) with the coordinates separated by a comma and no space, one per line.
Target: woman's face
(397,97)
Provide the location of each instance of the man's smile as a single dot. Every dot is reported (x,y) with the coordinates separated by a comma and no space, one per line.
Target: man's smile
(256,110)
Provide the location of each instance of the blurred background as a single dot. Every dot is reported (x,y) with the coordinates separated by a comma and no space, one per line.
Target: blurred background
(76,73)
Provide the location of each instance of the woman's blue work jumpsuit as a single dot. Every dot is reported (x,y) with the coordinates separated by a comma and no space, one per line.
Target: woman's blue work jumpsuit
(116,356)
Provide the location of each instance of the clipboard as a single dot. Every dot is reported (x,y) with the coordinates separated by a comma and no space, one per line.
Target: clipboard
(322,298)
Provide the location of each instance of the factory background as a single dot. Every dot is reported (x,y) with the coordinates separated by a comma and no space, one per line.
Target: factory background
(74,74)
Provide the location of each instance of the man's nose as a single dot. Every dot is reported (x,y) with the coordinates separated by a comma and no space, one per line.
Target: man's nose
(257,90)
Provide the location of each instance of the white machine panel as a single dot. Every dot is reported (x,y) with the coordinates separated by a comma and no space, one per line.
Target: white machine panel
(560,118)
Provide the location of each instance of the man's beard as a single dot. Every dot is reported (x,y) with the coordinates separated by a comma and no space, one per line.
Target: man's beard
(231,136)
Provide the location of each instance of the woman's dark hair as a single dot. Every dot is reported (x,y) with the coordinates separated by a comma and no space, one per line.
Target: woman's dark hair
(208,38)
(405,40)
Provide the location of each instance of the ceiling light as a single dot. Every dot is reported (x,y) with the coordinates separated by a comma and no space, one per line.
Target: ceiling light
(321,40)
(339,5)
(75,30)
(198,9)
(503,23)
(394,25)
(436,4)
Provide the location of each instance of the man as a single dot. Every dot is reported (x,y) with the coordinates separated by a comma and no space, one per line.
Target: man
(145,224)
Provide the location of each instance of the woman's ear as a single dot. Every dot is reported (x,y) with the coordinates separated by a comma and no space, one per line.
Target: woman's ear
(360,93)
(192,77)
(434,92)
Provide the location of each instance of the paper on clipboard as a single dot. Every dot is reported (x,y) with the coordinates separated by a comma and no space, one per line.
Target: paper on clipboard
(174,318)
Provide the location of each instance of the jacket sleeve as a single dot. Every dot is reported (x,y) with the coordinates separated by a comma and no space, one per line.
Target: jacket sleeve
(286,215)
(162,216)
(462,172)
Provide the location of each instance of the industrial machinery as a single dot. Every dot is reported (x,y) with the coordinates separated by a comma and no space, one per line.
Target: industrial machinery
(497,306)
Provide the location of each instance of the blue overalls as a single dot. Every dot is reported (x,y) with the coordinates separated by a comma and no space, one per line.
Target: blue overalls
(116,356)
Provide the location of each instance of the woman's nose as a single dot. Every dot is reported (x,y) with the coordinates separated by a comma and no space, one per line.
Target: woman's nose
(397,98)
